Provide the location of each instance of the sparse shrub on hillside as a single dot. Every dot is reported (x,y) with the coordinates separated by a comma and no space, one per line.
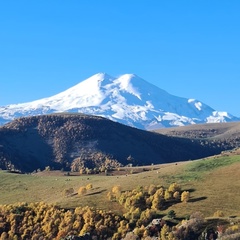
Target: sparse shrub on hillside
(82,190)
(115,193)
(160,191)
(158,202)
(218,213)
(68,192)
(185,196)
(176,195)
(116,190)
(89,186)
(168,195)
(110,196)
(174,187)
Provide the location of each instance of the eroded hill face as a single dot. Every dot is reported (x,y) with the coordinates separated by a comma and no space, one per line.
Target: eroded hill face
(73,141)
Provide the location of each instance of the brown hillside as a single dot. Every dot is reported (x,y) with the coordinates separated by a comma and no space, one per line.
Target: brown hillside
(71,141)
(227,134)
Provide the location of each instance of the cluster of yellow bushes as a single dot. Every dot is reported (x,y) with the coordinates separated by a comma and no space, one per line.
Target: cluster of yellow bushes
(38,221)
(151,197)
(41,221)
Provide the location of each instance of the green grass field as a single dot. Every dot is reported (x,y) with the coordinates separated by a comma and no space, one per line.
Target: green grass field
(213,183)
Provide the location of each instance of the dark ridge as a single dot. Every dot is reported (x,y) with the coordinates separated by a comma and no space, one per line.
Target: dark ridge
(72,141)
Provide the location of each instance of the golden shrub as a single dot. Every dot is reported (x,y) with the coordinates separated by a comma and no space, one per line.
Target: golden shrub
(89,186)
(185,196)
(82,190)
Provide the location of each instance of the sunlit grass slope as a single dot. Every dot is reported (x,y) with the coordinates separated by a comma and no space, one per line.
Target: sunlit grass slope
(213,184)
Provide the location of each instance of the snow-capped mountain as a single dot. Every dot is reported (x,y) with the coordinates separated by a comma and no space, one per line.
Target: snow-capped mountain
(127,99)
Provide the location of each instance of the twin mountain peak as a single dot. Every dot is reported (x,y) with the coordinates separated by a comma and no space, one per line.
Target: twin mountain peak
(127,99)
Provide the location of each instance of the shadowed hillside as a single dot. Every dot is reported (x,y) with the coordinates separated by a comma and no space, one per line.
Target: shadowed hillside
(73,141)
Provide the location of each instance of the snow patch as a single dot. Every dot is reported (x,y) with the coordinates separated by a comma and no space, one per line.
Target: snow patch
(125,84)
(198,105)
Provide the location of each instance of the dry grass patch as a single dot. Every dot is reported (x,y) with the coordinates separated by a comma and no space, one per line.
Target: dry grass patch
(215,190)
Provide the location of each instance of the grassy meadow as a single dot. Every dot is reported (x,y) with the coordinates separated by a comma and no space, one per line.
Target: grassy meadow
(213,184)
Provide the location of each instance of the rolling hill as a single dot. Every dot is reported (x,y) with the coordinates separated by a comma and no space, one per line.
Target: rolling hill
(227,134)
(73,141)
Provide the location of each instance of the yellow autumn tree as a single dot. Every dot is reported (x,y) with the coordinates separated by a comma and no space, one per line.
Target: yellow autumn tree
(89,186)
(174,187)
(185,196)
(176,195)
(82,190)
(164,232)
(116,191)
(152,189)
(168,195)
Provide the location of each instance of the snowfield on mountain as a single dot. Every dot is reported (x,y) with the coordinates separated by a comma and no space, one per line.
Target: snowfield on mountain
(127,99)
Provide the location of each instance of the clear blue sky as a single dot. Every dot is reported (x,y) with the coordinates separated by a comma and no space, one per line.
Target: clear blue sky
(188,48)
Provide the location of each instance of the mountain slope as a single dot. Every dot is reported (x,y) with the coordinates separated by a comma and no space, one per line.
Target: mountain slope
(220,133)
(73,141)
(127,99)
(228,131)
